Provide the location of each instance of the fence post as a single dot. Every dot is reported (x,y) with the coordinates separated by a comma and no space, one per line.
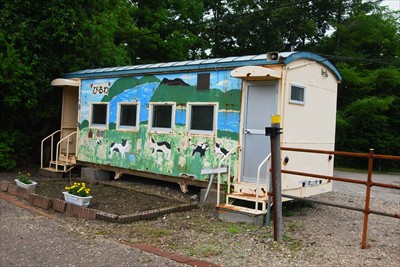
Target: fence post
(367,198)
(274,132)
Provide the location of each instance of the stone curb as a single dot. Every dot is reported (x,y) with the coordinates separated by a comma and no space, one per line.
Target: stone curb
(40,201)
(59,205)
(80,212)
(23,193)
(4,185)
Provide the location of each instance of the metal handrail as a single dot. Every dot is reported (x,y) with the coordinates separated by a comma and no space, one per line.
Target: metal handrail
(229,172)
(267,158)
(59,146)
(51,152)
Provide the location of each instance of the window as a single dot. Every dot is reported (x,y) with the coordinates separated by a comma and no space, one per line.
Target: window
(99,115)
(203,81)
(128,117)
(202,117)
(162,116)
(297,94)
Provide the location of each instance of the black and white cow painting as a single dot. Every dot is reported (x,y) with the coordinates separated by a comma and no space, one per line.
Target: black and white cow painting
(163,147)
(219,150)
(120,148)
(201,149)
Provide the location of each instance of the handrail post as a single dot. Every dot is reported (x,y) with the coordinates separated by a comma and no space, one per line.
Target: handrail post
(367,198)
(258,177)
(51,147)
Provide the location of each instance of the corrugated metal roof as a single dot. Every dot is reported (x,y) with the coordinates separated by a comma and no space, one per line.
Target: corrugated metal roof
(202,64)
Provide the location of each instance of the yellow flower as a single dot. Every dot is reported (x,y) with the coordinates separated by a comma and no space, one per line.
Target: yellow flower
(29,174)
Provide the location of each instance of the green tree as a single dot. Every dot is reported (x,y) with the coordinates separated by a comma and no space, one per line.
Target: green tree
(167,30)
(366,48)
(40,41)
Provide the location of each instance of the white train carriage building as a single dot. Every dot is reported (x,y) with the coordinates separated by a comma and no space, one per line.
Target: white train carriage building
(180,121)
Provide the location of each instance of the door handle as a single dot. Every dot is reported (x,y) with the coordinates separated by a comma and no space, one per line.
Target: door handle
(246,131)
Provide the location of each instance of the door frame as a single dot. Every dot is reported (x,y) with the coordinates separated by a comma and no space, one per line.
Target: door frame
(246,85)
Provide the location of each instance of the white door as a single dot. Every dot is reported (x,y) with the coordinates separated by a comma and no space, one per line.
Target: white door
(260,104)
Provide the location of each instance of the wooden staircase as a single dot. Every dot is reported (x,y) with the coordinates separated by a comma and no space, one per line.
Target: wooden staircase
(249,202)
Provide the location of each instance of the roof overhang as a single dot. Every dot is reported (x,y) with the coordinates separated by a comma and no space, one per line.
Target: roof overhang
(64,82)
(255,72)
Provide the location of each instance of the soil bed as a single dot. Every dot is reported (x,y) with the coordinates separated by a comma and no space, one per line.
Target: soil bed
(128,195)
(108,198)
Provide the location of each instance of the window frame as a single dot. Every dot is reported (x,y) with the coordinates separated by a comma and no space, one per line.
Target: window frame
(98,125)
(295,101)
(189,118)
(203,79)
(137,121)
(161,129)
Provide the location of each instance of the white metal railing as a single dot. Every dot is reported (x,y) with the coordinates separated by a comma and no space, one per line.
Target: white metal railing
(267,159)
(59,146)
(229,172)
(51,147)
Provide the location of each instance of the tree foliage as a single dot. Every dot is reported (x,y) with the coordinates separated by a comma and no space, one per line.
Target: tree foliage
(366,49)
(39,41)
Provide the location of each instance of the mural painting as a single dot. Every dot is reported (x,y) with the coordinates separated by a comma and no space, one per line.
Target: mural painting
(174,150)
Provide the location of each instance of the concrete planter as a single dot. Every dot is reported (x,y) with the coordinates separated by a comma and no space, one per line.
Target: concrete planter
(31,186)
(77,200)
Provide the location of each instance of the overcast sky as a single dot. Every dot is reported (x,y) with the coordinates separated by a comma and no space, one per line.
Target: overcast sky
(392,4)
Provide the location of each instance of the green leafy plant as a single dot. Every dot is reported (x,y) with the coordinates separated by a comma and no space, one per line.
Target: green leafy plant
(78,189)
(24,178)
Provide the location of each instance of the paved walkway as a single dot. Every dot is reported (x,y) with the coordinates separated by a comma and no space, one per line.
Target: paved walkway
(31,237)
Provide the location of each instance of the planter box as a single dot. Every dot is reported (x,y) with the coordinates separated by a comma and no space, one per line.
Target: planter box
(31,186)
(77,200)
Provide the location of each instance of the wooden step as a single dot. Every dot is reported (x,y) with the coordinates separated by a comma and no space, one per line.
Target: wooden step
(240,209)
(60,162)
(248,201)
(60,166)
(248,197)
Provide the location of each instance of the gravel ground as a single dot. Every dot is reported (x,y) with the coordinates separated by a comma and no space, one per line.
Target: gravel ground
(28,239)
(313,236)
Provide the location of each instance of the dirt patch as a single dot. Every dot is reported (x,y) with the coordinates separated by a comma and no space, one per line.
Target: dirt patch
(129,195)
(110,198)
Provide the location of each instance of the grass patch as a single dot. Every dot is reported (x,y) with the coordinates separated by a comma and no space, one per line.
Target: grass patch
(233,230)
(293,244)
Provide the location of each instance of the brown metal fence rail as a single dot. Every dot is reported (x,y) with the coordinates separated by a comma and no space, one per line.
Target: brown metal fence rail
(369,183)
